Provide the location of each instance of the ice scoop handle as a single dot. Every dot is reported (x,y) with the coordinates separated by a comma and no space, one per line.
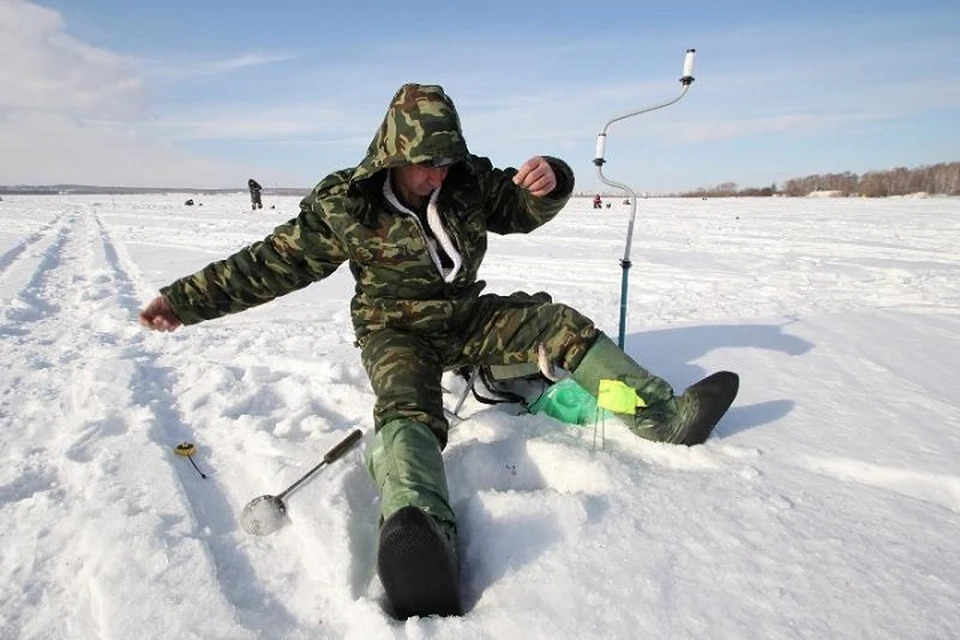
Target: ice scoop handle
(342,447)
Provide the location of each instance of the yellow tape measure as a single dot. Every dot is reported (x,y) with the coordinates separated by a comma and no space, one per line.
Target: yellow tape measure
(185,449)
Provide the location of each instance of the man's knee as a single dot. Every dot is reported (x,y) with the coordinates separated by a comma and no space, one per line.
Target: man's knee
(565,333)
(435,420)
(405,375)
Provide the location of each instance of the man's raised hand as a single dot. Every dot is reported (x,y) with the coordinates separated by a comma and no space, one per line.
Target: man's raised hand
(536,176)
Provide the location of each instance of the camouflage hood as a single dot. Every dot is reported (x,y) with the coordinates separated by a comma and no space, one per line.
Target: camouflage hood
(421,125)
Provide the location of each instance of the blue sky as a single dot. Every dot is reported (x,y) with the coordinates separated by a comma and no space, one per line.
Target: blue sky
(209,93)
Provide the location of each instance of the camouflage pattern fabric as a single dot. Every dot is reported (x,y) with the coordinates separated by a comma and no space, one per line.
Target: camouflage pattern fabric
(421,125)
(405,368)
(345,219)
(399,290)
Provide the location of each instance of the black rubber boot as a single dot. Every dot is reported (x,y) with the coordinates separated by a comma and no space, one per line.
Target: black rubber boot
(690,418)
(714,394)
(685,419)
(418,565)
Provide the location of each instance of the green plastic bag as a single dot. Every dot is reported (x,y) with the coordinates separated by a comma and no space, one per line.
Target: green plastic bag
(568,402)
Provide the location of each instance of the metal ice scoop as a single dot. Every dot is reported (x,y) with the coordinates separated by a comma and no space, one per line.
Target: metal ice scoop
(265,514)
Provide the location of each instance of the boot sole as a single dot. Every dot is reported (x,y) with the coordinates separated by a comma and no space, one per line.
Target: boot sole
(417,566)
(715,394)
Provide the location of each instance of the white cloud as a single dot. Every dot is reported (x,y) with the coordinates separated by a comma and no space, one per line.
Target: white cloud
(44,68)
(230,122)
(708,130)
(69,112)
(194,68)
(73,151)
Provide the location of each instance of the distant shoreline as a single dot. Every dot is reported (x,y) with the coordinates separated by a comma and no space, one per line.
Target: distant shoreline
(81,189)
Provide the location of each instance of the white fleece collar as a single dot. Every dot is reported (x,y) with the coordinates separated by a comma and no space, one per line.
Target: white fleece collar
(436,226)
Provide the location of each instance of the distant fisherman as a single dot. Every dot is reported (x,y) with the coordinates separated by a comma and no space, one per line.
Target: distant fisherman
(255,190)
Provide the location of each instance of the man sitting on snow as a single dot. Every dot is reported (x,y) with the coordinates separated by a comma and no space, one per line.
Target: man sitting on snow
(412,221)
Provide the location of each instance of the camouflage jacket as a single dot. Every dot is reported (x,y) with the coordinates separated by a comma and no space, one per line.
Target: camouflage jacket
(346,218)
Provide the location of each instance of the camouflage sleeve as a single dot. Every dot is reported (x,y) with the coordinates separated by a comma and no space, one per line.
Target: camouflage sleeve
(297,253)
(512,209)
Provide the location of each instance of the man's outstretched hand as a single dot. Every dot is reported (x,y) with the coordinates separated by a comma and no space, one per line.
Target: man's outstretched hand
(159,316)
(536,176)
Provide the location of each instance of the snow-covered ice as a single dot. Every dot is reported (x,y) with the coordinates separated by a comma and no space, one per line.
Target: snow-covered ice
(827,505)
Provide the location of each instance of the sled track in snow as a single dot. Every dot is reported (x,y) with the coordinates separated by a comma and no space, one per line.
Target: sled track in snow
(9,257)
(44,406)
(258,606)
(23,267)
(94,421)
(151,385)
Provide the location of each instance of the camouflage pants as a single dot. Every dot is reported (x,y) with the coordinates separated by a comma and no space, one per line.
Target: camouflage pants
(405,367)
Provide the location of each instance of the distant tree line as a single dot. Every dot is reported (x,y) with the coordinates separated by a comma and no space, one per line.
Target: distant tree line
(730,190)
(937,179)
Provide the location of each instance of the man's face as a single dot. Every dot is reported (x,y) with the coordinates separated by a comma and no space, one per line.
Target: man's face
(420,179)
